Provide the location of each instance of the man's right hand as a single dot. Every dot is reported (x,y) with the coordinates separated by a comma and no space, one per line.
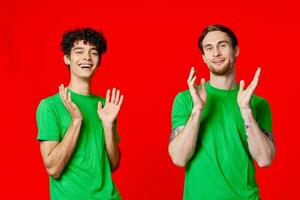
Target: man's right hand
(69,104)
(198,95)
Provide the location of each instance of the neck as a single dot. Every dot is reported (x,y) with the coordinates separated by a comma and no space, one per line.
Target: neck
(224,82)
(80,86)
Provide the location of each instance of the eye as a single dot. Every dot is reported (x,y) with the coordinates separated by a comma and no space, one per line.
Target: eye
(78,52)
(223,45)
(208,48)
(95,53)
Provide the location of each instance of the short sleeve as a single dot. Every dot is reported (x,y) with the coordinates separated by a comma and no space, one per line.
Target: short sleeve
(47,122)
(181,110)
(264,116)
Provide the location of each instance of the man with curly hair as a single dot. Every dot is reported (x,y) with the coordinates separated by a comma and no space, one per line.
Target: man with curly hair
(220,127)
(76,129)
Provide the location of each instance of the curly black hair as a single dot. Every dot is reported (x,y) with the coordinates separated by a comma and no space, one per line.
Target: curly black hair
(88,35)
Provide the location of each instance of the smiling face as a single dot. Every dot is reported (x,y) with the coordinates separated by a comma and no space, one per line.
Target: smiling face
(218,53)
(83,60)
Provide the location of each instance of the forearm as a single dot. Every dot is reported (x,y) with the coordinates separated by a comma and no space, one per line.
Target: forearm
(111,146)
(182,147)
(60,154)
(260,145)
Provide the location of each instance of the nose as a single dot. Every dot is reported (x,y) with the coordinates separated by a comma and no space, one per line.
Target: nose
(86,56)
(216,52)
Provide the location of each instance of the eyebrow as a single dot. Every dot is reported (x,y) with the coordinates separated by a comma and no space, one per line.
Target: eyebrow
(217,43)
(94,48)
(81,48)
(223,41)
(77,48)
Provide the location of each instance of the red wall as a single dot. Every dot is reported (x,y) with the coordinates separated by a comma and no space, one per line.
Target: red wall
(151,47)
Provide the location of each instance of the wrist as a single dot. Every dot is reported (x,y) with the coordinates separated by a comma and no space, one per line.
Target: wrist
(196,113)
(247,115)
(197,109)
(76,121)
(107,124)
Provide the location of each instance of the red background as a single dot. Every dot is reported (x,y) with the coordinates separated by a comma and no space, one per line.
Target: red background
(151,47)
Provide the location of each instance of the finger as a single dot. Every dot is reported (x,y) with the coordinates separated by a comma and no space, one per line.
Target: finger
(113,95)
(256,76)
(192,72)
(121,100)
(61,89)
(192,88)
(61,93)
(255,80)
(69,98)
(107,95)
(66,94)
(192,82)
(242,85)
(99,105)
(203,84)
(117,97)
(73,105)
(62,97)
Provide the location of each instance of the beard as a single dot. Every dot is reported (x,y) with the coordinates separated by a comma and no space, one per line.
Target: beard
(220,70)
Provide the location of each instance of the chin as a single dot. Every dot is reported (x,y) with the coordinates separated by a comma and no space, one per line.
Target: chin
(220,71)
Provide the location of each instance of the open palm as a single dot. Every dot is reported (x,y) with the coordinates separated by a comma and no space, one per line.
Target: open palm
(198,95)
(112,106)
(244,95)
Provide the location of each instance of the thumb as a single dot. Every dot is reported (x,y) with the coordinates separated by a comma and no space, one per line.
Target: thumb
(99,105)
(203,84)
(242,85)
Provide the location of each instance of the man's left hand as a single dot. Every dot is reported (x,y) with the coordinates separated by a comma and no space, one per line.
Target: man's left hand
(112,106)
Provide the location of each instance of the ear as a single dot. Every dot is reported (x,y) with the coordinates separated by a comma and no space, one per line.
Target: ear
(67,60)
(204,60)
(236,51)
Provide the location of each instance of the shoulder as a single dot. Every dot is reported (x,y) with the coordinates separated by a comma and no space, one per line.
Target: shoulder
(50,104)
(50,101)
(258,100)
(183,95)
(260,104)
(183,100)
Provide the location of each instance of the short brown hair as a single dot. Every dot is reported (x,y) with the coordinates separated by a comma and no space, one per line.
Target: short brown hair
(217,27)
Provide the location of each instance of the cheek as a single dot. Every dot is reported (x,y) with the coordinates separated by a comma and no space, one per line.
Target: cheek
(75,58)
(206,58)
(229,54)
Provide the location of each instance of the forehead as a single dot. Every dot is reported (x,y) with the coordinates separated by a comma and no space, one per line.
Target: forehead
(214,37)
(83,44)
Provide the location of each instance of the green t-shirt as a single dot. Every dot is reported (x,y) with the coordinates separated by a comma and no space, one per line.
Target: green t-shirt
(87,175)
(221,167)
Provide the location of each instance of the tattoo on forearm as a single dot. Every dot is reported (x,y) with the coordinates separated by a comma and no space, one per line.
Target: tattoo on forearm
(175,132)
(267,133)
(247,127)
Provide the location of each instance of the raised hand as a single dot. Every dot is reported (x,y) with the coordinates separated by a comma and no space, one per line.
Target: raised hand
(112,106)
(244,96)
(198,96)
(69,104)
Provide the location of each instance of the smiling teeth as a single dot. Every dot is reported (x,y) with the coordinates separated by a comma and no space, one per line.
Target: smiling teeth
(85,65)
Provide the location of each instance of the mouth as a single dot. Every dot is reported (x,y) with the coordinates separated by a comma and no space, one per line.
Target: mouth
(218,61)
(86,66)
